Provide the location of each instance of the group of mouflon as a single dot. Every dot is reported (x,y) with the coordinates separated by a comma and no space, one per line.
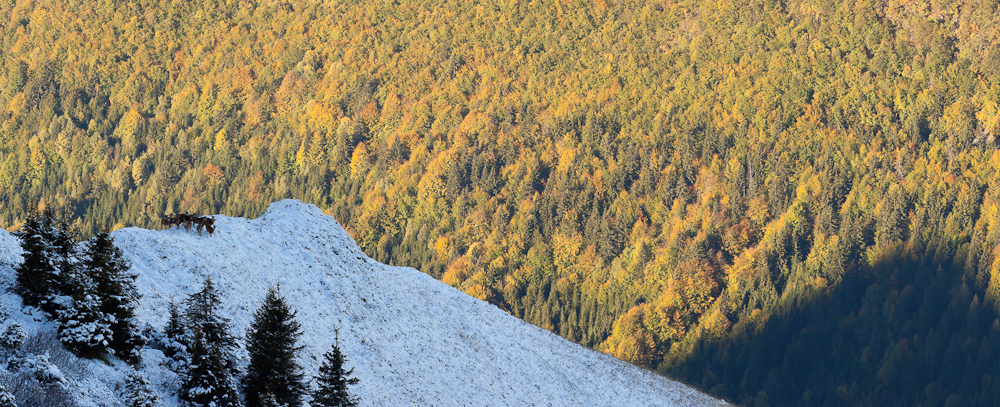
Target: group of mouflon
(188,221)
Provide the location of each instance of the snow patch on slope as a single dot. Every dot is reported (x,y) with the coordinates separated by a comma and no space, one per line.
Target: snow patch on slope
(410,338)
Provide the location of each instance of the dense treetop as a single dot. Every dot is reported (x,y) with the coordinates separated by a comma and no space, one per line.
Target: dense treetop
(675,182)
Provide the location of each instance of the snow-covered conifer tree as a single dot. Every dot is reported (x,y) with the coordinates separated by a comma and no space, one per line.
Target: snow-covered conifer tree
(202,313)
(177,339)
(332,382)
(210,369)
(12,338)
(11,341)
(139,392)
(271,343)
(208,381)
(114,285)
(83,328)
(6,399)
(49,257)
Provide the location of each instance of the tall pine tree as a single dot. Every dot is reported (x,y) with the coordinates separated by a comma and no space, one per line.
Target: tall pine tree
(271,343)
(332,382)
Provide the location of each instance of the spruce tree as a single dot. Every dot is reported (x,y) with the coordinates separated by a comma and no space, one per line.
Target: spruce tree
(49,258)
(139,392)
(83,328)
(35,273)
(115,286)
(97,310)
(210,363)
(271,344)
(6,399)
(176,335)
(332,382)
(208,381)
(202,313)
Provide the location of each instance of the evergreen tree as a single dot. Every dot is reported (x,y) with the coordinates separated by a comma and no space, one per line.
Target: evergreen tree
(35,273)
(11,340)
(202,313)
(271,343)
(268,400)
(115,285)
(49,257)
(83,328)
(176,335)
(332,382)
(208,381)
(97,310)
(209,373)
(6,399)
(139,392)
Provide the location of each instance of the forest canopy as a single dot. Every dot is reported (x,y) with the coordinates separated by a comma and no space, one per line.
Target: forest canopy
(781,202)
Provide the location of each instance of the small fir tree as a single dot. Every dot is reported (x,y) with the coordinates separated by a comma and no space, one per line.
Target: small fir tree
(176,335)
(210,362)
(83,328)
(271,344)
(100,302)
(34,274)
(332,382)
(6,399)
(202,313)
(139,392)
(11,339)
(268,400)
(208,381)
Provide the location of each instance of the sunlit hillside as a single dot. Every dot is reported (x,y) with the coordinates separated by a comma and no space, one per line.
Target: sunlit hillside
(783,202)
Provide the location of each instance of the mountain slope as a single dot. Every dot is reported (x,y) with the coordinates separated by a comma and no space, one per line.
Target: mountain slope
(680,175)
(411,339)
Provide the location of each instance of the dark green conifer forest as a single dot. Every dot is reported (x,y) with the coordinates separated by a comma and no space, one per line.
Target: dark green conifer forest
(780,202)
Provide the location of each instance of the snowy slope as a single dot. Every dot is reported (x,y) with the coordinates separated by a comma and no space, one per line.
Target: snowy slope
(411,339)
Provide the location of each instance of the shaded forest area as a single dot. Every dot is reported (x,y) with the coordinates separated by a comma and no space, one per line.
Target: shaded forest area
(784,203)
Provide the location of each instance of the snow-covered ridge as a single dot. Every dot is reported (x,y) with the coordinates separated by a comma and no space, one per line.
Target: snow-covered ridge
(411,339)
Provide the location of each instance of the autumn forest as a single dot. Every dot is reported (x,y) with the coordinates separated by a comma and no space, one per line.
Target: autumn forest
(778,202)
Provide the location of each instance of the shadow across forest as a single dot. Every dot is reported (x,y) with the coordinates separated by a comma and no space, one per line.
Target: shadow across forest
(909,330)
